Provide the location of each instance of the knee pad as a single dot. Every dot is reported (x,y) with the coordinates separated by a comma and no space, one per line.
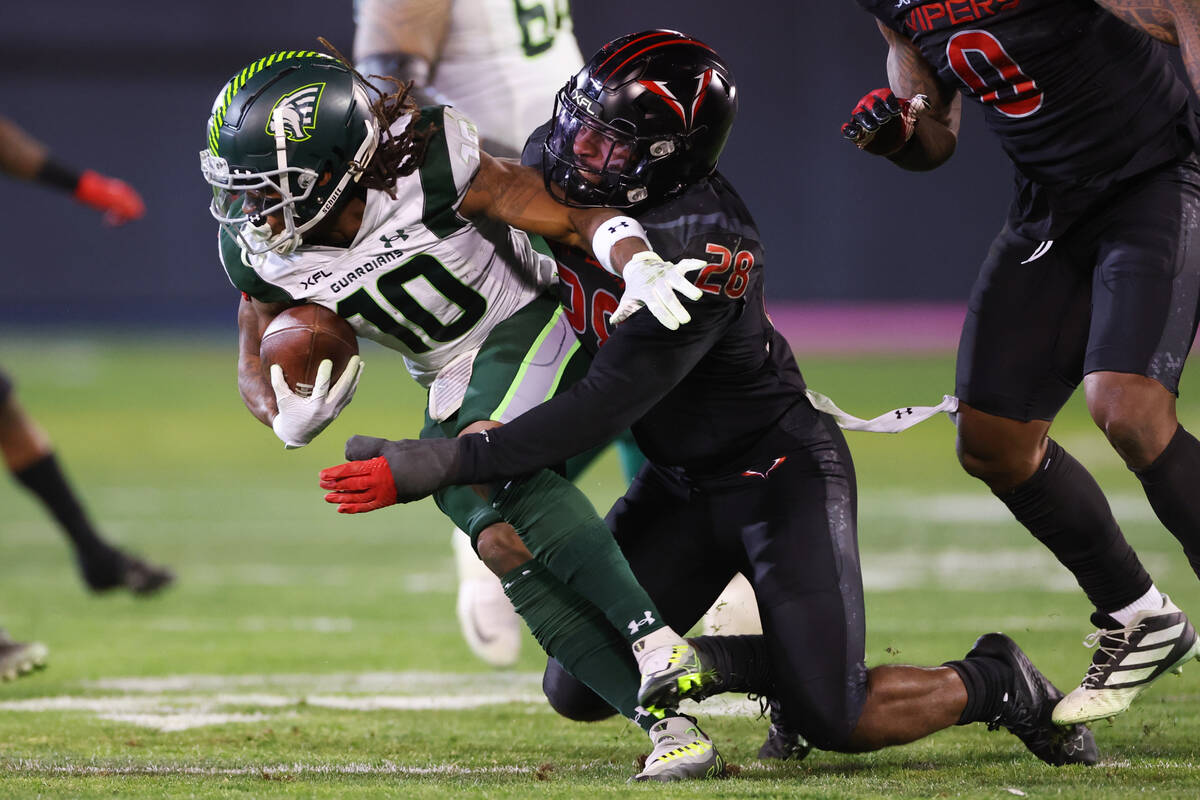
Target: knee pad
(570,698)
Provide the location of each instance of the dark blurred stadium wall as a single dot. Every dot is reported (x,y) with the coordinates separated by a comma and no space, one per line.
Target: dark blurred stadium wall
(125,88)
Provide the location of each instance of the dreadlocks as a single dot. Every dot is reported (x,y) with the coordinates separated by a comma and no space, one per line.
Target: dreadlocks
(395,156)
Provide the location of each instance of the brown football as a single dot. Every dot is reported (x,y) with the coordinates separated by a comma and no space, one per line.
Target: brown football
(300,338)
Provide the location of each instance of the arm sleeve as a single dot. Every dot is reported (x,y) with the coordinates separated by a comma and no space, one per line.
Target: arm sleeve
(638,365)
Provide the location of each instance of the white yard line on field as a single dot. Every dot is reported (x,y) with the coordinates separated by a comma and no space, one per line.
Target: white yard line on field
(385,768)
(179,702)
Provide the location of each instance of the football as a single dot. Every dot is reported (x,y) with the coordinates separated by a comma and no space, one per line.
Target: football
(300,338)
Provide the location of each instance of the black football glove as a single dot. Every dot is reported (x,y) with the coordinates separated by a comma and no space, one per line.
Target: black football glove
(381,472)
(882,123)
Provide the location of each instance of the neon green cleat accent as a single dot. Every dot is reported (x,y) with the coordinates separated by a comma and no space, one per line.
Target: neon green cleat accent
(672,674)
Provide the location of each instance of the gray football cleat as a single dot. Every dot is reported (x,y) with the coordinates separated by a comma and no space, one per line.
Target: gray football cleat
(1127,660)
(681,752)
(671,674)
(18,658)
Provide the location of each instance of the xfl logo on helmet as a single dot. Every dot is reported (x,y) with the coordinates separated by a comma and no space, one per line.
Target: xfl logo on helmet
(298,110)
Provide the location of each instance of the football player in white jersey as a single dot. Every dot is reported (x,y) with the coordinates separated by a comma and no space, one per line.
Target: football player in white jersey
(396,220)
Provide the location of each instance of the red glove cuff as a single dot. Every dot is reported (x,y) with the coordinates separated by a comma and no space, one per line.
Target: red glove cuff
(119,201)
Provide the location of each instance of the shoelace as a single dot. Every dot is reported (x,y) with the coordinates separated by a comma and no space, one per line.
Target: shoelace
(1120,636)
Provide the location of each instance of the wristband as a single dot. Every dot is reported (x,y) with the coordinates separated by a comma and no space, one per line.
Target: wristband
(54,174)
(609,233)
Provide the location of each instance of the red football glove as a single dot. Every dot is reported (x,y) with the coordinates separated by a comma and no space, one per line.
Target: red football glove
(882,123)
(360,486)
(119,201)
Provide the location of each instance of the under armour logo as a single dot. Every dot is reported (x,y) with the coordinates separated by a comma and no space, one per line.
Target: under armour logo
(900,412)
(387,240)
(621,224)
(635,624)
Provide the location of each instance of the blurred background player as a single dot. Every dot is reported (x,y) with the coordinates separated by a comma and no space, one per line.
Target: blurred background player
(1094,278)
(28,451)
(500,63)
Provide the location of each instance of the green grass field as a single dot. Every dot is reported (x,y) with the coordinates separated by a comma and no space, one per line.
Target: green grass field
(305,654)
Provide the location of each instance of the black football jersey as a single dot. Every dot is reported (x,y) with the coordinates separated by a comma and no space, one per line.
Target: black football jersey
(707,397)
(1078,98)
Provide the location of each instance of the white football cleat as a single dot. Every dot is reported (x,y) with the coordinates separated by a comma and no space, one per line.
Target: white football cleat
(489,624)
(1128,659)
(681,751)
(18,658)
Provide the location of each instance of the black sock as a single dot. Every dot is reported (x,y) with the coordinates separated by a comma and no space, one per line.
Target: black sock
(741,663)
(1169,483)
(45,479)
(986,680)
(1062,506)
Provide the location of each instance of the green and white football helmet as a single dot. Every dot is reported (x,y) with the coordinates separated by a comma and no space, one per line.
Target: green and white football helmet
(286,136)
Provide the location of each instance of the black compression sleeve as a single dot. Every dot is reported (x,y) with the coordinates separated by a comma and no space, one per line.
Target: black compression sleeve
(638,365)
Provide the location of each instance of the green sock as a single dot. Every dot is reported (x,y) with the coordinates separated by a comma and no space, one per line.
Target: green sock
(574,632)
(561,528)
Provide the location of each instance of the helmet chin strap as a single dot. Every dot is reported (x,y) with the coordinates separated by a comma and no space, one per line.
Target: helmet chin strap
(285,193)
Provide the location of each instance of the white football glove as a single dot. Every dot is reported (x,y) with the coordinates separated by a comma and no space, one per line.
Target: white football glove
(652,282)
(300,419)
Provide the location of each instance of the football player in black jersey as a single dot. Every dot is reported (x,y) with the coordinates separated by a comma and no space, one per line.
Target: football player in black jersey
(1095,277)
(27,450)
(743,473)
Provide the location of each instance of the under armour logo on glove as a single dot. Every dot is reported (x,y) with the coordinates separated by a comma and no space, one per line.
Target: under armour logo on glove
(621,224)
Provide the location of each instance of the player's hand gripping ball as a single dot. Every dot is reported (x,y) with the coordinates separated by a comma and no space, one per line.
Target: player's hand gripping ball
(882,123)
(302,349)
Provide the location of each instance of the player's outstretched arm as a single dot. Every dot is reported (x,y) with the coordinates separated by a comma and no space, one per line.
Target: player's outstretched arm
(1175,22)
(24,157)
(914,124)
(516,195)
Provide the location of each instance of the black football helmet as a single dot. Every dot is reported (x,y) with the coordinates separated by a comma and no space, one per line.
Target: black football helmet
(647,116)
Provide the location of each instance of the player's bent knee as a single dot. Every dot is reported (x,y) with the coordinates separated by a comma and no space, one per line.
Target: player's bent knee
(571,699)
(501,549)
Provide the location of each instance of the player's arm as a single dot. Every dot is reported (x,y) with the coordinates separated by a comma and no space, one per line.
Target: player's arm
(1175,22)
(506,191)
(253,318)
(296,420)
(915,122)
(24,157)
(638,365)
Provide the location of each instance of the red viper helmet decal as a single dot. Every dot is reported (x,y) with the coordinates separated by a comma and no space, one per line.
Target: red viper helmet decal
(683,97)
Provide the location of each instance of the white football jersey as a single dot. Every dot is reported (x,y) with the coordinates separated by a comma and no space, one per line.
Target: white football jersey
(502,63)
(417,278)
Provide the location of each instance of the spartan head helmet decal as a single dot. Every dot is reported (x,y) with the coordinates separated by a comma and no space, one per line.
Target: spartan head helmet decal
(299,112)
(682,96)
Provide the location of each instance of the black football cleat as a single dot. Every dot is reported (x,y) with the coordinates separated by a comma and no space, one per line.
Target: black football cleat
(113,569)
(782,744)
(1028,705)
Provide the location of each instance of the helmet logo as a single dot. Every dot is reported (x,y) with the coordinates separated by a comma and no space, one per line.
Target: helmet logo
(299,112)
(682,96)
